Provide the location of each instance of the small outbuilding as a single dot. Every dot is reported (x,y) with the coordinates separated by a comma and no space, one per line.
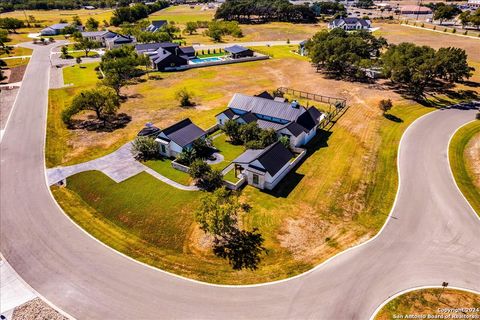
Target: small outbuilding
(237,51)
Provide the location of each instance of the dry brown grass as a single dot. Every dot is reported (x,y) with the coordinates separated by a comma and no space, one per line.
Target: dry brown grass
(428,301)
(472,158)
(396,33)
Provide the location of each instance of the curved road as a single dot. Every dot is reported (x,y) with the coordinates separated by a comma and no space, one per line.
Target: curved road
(434,237)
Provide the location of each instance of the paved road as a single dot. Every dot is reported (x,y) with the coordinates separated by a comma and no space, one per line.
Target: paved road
(434,237)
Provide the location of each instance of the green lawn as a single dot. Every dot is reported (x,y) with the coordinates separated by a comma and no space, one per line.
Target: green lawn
(164,167)
(12,63)
(461,168)
(81,75)
(280,52)
(230,176)
(228,150)
(17,51)
(183,14)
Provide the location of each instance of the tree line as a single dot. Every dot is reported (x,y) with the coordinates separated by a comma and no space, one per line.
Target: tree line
(11,5)
(136,12)
(249,11)
(349,55)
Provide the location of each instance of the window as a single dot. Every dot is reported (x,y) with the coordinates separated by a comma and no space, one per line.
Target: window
(255,179)
(162,147)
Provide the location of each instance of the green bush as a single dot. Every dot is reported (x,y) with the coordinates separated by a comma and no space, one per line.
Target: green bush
(145,148)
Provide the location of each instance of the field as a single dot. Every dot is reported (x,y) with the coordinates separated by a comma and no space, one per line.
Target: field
(428,301)
(265,32)
(339,196)
(45,18)
(464,156)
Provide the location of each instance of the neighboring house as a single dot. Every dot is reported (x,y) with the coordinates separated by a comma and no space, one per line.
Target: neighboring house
(475,4)
(119,40)
(56,29)
(89,8)
(236,52)
(286,118)
(166,55)
(264,168)
(178,137)
(156,25)
(413,9)
(350,24)
(99,36)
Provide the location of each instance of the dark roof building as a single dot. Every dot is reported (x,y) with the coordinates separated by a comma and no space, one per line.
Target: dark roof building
(183,133)
(165,55)
(237,51)
(264,168)
(156,25)
(265,95)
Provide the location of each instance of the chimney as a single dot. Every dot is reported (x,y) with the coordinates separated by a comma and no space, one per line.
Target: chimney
(294,104)
(149,125)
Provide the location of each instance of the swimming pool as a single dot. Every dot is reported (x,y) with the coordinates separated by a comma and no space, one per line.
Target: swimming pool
(204,60)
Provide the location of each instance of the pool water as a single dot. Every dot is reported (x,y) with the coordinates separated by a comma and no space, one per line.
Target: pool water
(203,60)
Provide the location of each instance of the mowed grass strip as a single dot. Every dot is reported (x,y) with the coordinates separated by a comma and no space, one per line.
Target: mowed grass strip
(462,166)
(143,205)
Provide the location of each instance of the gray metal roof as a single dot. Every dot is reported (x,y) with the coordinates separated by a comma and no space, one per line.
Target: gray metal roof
(184,132)
(104,33)
(59,26)
(248,156)
(264,124)
(267,107)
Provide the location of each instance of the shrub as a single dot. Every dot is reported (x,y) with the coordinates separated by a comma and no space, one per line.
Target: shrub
(144,148)
(198,169)
(454,30)
(478,116)
(434,27)
(184,97)
(385,105)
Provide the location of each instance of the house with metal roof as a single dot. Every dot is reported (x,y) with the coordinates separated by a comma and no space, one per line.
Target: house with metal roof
(289,119)
(178,137)
(99,36)
(156,25)
(119,40)
(237,51)
(264,168)
(57,29)
(350,23)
